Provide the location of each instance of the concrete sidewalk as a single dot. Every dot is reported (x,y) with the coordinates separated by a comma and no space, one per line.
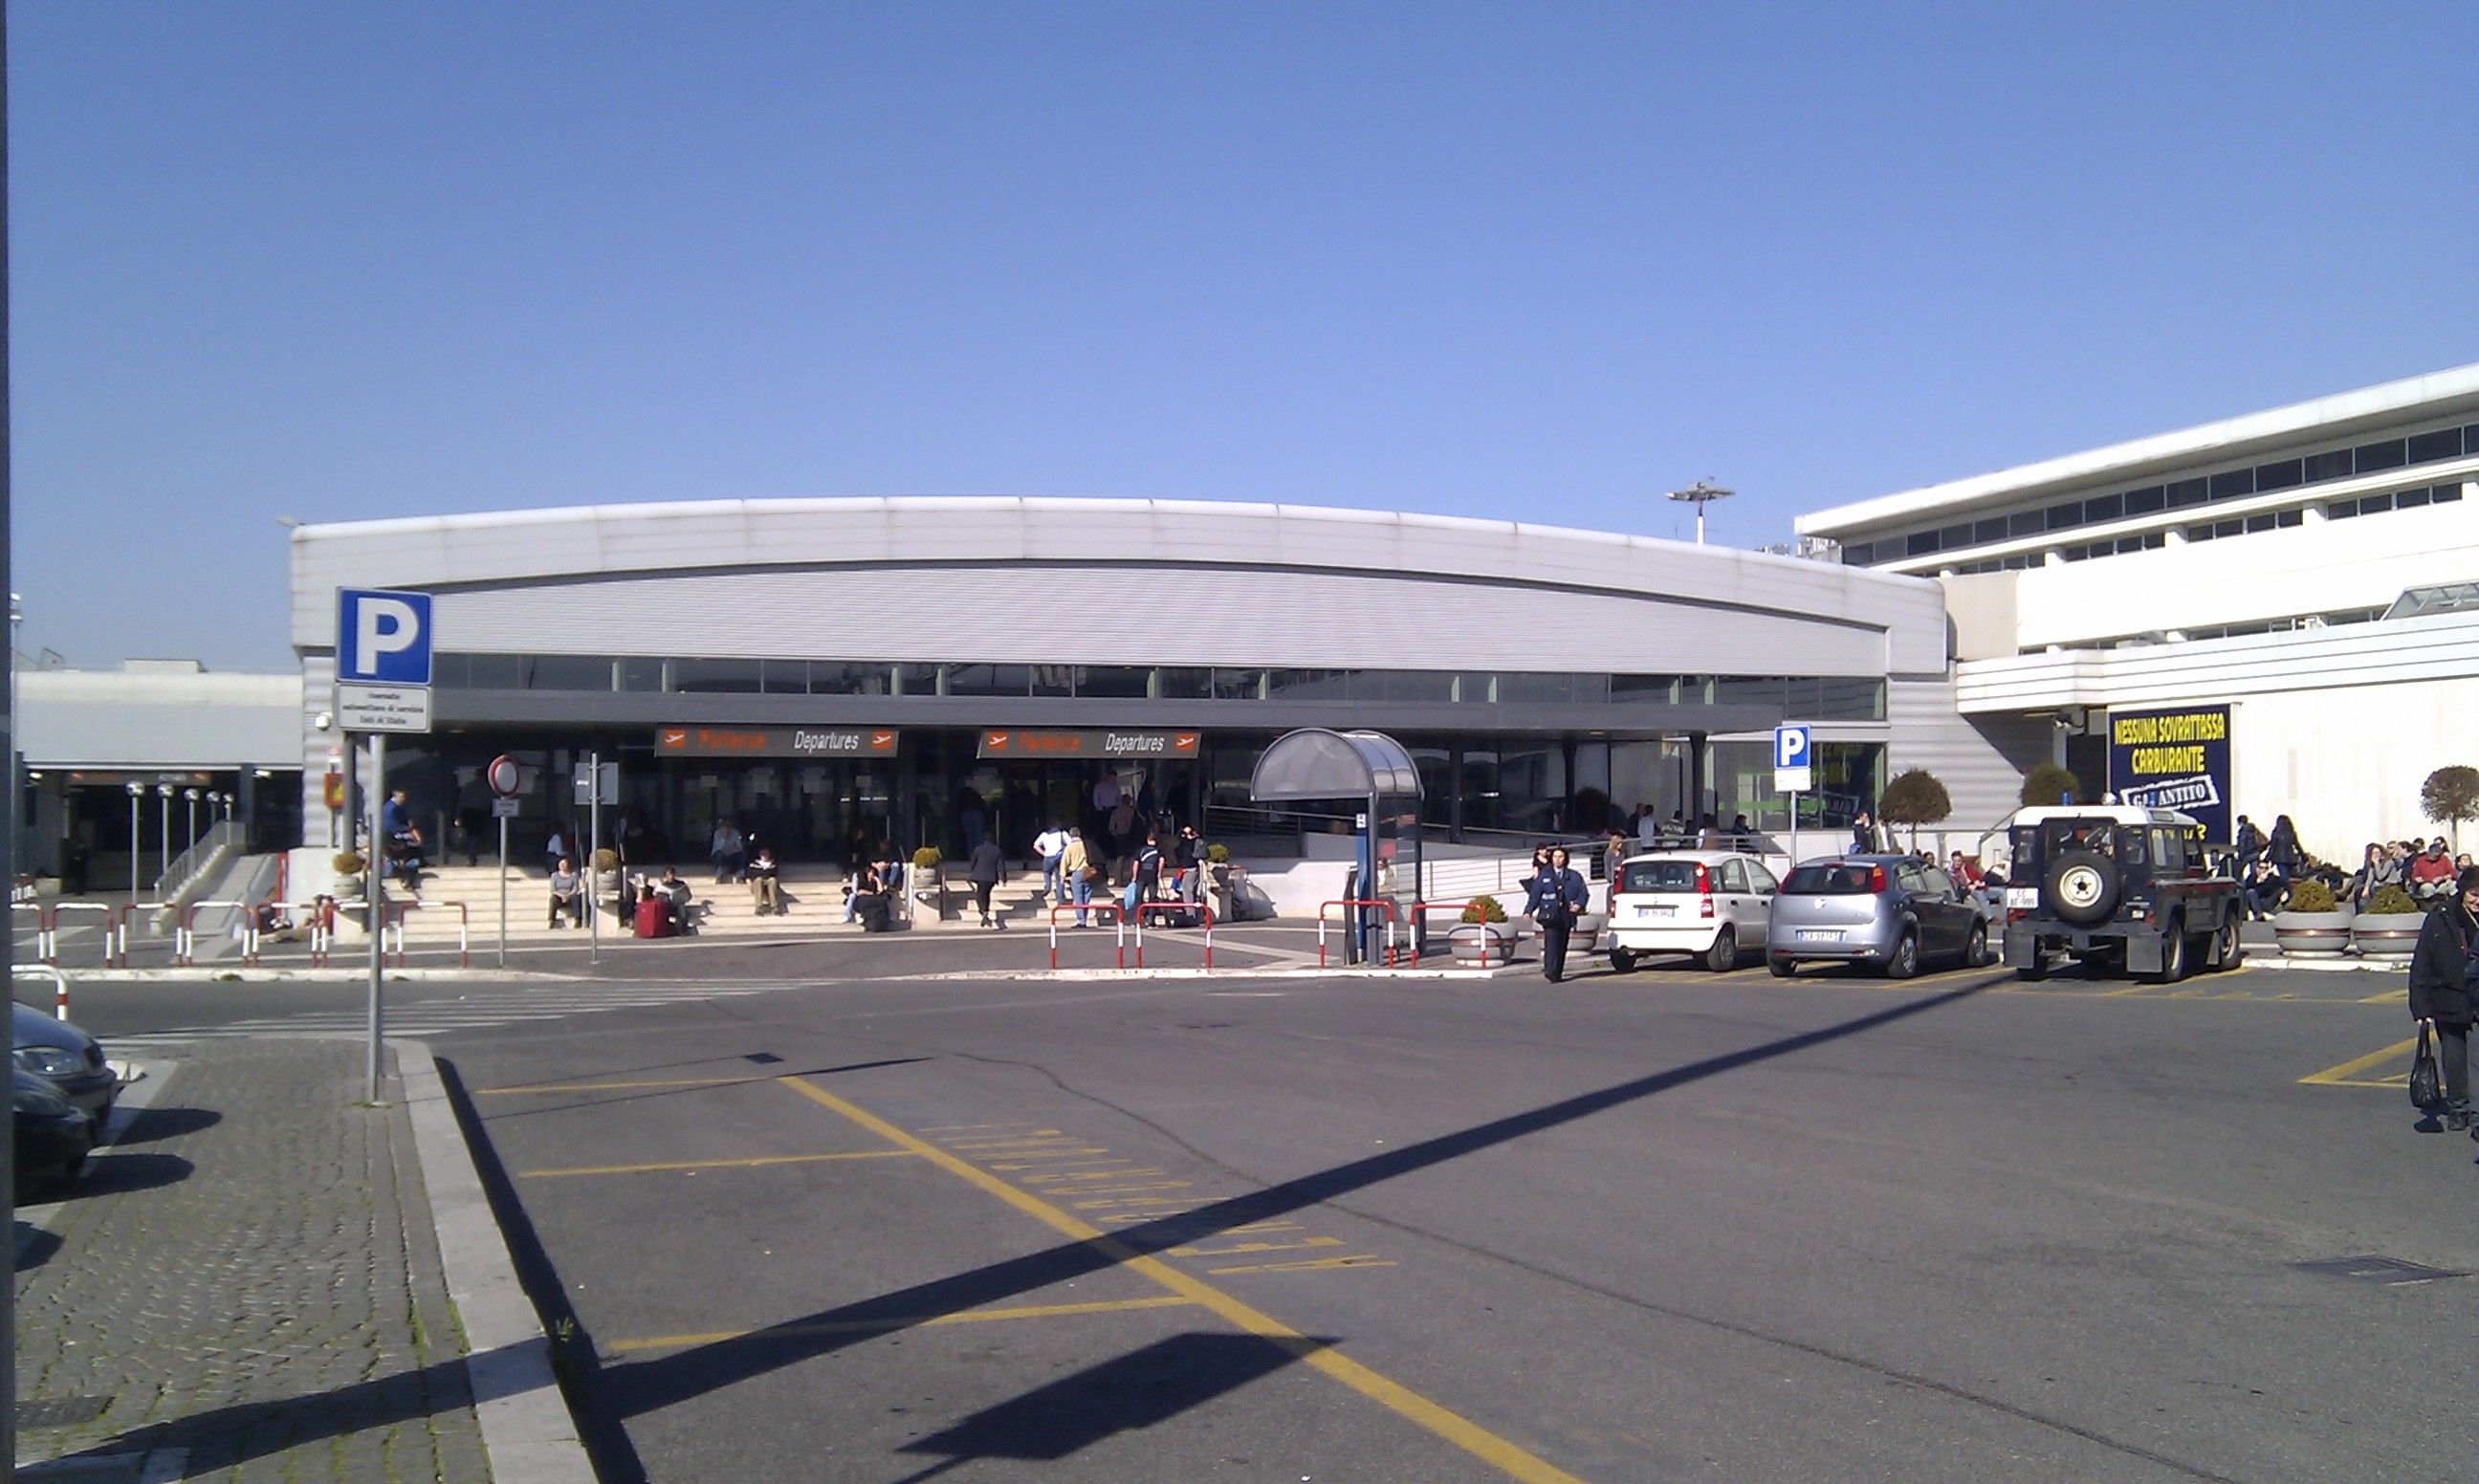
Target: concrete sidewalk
(249,1285)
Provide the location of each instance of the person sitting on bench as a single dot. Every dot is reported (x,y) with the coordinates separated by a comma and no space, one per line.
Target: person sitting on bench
(566,894)
(765,888)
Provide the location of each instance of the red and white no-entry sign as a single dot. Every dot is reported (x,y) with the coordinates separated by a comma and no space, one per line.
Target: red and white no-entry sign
(502,775)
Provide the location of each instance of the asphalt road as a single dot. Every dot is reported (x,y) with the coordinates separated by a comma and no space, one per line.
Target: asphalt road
(1657,1226)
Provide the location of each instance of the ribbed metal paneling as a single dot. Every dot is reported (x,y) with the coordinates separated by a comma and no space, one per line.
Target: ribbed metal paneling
(1109,614)
(2443,647)
(1981,760)
(597,542)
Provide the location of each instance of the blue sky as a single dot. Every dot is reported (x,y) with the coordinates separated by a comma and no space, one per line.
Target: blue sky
(1528,262)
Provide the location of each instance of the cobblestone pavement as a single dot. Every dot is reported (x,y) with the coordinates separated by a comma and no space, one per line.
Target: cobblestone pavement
(249,1281)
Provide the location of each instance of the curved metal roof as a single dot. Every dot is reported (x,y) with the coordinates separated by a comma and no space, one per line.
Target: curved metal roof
(1315,763)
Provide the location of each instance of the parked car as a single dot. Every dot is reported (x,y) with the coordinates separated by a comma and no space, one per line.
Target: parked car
(1891,911)
(53,1137)
(1709,903)
(67,1058)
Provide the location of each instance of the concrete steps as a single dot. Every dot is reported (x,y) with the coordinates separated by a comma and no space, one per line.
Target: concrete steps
(813,900)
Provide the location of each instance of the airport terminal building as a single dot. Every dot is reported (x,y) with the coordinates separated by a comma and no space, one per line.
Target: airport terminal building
(2303,582)
(830,670)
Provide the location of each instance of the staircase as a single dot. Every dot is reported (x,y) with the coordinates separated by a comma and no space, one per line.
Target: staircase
(813,903)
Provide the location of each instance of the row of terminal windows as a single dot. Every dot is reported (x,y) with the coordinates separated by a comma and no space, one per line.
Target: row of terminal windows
(2278,625)
(1825,698)
(2263,521)
(2229,485)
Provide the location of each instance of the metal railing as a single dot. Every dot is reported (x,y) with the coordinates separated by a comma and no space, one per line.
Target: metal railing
(204,855)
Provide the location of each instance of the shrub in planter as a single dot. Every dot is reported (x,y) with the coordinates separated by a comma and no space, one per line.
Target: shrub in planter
(2388,924)
(1217,854)
(926,857)
(2312,921)
(1484,909)
(607,860)
(346,862)
(2310,896)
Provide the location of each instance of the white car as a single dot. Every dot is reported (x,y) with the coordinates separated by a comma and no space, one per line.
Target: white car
(1709,903)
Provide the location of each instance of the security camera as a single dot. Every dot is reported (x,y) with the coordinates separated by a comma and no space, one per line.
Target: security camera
(323,720)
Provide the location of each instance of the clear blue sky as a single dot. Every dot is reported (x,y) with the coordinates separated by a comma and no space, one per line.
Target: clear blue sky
(1522,261)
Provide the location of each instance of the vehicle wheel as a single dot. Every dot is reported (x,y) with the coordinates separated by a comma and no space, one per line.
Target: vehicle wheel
(2228,952)
(1623,959)
(1904,960)
(2080,886)
(1783,968)
(2173,956)
(1723,956)
(1974,952)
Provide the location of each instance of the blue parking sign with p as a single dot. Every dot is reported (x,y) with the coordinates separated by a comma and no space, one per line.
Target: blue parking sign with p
(382,638)
(1790,747)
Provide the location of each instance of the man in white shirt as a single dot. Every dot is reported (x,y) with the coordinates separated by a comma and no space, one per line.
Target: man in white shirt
(1648,829)
(1051,845)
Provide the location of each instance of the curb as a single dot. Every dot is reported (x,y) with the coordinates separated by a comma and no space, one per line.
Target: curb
(527,1430)
(357,975)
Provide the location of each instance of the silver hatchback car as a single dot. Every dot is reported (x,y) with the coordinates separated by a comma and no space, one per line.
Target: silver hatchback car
(1890,912)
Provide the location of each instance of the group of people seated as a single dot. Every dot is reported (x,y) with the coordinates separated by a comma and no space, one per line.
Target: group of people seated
(660,906)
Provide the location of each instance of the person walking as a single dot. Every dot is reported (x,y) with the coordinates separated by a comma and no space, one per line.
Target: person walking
(1557,898)
(2283,848)
(1191,864)
(1051,846)
(1144,877)
(1863,835)
(1076,869)
(2443,977)
(982,869)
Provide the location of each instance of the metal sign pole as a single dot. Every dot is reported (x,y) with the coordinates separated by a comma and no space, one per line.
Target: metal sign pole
(374,870)
(503,891)
(1794,828)
(593,848)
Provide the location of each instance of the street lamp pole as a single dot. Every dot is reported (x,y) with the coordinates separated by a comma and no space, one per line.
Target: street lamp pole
(163,843)
(1700,494)
(190,801)
(137,791)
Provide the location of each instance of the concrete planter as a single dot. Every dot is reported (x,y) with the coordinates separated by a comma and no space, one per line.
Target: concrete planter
(2385,935)
(1466,938)
(2311,933)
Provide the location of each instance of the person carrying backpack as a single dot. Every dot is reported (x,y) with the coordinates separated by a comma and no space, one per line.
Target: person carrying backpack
(1556,900)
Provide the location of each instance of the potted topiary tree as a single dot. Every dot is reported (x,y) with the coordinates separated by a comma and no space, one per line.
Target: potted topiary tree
(2451,795)
(606,883)
(1483,936)
(1914,798)
(2390,926)
(927,883)
(2047,783)
(348,865)
(2311,921)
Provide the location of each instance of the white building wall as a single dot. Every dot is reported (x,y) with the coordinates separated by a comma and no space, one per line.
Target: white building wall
(2346,765)
(2321,567)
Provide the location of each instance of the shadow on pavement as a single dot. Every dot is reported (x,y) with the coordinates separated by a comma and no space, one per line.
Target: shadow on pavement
(154,1125)
(117,1174)
(600,1399)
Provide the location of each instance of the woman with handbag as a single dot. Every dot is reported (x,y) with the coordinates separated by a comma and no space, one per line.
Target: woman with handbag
(2444,978)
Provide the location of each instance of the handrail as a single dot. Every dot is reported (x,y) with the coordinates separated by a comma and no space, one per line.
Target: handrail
(1392,915)
(1420,911)
(1117,915)
(1166,905)
(464,930)
(43,926)
(105,907)
(59,979)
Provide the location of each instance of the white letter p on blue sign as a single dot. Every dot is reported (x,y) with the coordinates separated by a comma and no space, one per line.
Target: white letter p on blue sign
(383,637)
(1790,747)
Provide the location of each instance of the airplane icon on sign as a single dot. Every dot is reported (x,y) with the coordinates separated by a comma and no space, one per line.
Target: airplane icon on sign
(996,741)
(673,738)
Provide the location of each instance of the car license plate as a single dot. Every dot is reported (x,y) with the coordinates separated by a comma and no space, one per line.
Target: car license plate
(1654,911)
(1820,935)
(2027,898)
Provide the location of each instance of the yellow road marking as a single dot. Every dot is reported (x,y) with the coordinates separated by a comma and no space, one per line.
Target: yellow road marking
(966,1128)
(2396,995)
(1044,1154)
(1453,1428)
(1241,1249)
(747,1163)
(865,1326)
(1126,1190)
(1038,1138)
(1098,1174)
(1119,1203)
(1311,1265)
(618,1086)
(2346,1074)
